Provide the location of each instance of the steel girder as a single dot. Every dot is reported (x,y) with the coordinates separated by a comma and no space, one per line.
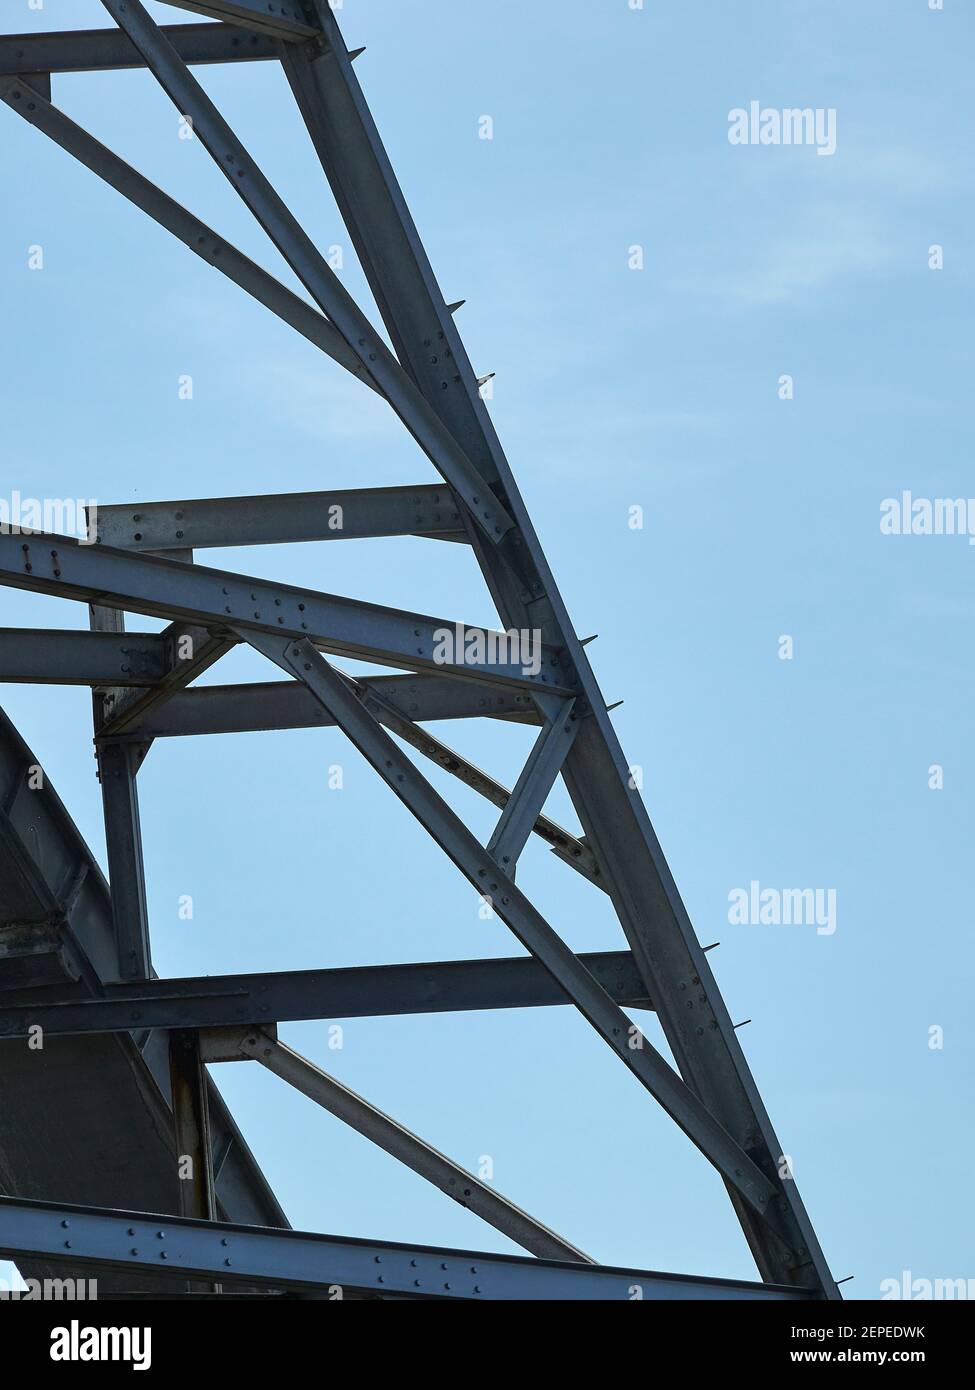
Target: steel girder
(360,991)
(217,599)
(141,1241)
(350,514)
(103,50)
(428,381)
(82,658)
(286,19)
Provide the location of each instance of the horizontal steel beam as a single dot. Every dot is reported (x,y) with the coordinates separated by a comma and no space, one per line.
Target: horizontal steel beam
(286,19)
(104,50)
(370,991)
(179,1248)
(240,709)
(281,518)
(82,658)
(171,589)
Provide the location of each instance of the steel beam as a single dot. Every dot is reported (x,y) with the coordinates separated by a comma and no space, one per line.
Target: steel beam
(365,991)
(524,920)
(618,830)
(170,589)
(179,1248)
(103,50)
(118,765)
(408,1148)
(286,19)
(191,1126)
(281,518)
(312,270)
(524,806)
(202,240)
(55,657)
(239,709)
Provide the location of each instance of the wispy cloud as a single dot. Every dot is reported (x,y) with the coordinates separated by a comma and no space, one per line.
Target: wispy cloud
(823,245)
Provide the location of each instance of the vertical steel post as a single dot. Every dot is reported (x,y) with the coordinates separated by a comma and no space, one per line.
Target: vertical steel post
(118,764)
(191,1124)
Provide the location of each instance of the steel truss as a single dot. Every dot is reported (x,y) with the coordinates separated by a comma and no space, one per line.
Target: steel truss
(75,959)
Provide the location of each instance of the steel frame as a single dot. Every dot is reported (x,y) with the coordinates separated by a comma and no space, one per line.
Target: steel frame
(143,560)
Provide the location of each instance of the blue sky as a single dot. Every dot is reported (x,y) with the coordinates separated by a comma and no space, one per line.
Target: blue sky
(615,388)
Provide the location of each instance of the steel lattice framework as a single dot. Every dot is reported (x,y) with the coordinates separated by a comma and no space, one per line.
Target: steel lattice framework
(125,1055)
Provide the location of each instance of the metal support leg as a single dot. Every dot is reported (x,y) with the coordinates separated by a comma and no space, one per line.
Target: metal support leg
(191,1124)
(118,764)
